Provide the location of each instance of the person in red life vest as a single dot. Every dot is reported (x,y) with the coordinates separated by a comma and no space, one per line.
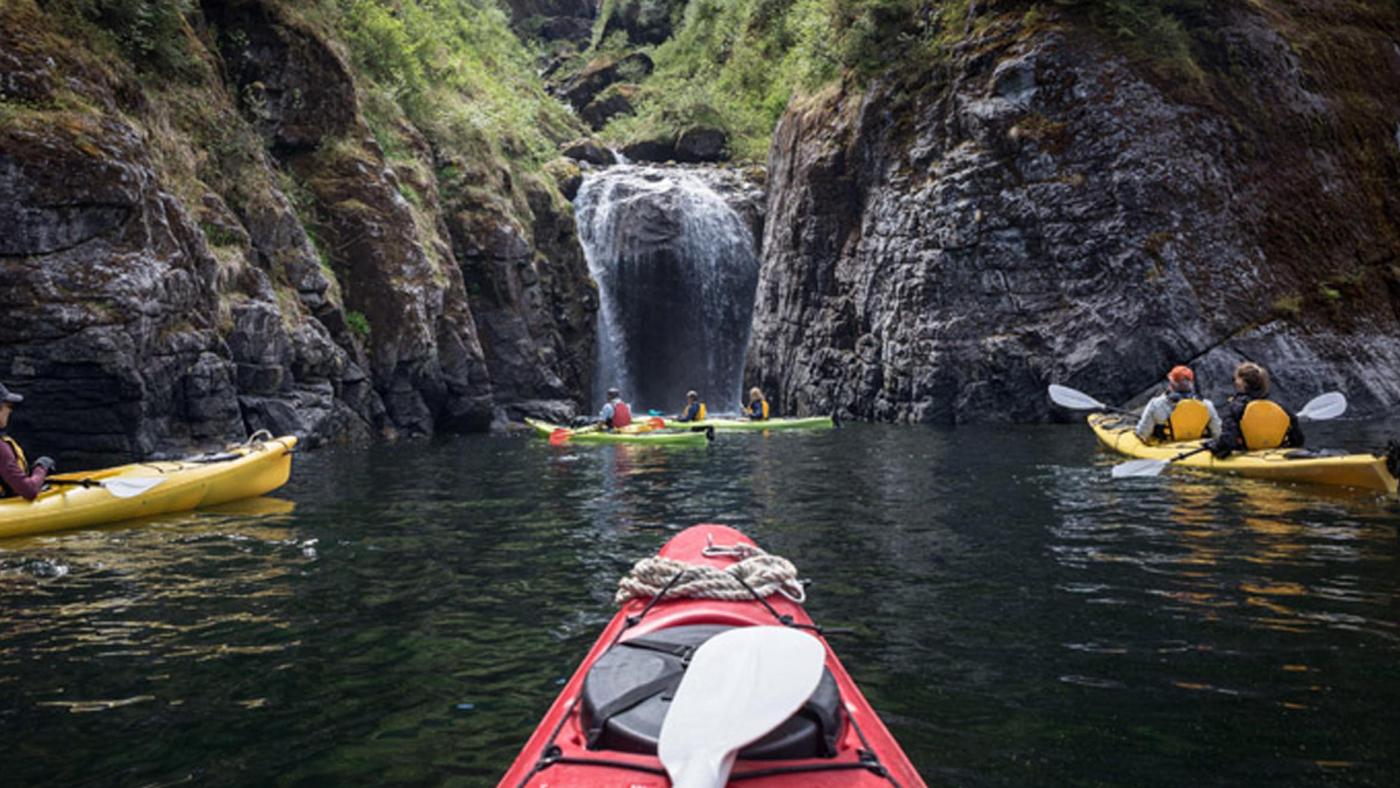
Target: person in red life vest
(1251,421)
(757,409)
(1178,414)
(17,476)
(615,414)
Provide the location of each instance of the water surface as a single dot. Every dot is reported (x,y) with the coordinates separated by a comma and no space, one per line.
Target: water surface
(1020,617)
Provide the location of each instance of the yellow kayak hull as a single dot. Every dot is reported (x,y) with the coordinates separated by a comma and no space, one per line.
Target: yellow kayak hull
(250,471)
(1363,471)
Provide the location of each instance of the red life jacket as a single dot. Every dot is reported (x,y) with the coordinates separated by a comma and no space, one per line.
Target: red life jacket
(622,415)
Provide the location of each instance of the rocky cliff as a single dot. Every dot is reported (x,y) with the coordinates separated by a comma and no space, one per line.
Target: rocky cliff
(202,234)
(1042,204)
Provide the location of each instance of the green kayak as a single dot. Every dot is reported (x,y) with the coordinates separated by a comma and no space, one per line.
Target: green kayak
(736,425)
(595,435)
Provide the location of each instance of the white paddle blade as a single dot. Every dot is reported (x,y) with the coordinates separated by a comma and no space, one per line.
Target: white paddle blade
(1323,407)
(1074,399)
(130,488)
(1131,468)
(741,684)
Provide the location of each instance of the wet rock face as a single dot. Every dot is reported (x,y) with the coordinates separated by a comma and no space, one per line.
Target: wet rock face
(130,332)
(157,300)
(1040,213)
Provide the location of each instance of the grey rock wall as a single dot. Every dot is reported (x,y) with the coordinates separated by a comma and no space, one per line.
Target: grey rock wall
(1038,211)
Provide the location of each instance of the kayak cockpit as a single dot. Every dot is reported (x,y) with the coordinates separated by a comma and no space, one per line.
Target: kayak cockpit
(628,691)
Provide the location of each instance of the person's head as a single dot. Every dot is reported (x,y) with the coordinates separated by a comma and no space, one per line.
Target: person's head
(8,401)
(614,394)
(1181,379)
(1252,379)
(692,396)
(755,393)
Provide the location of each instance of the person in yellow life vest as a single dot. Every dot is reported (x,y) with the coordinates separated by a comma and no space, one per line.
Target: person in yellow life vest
(758,406)
(1178,414)
(1251,421)
(694,408)
(17,476)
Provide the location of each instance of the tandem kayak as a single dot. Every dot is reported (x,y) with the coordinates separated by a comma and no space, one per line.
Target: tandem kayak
(1309,466)
(150,488)
(603,728)
(739,425)
(594,435)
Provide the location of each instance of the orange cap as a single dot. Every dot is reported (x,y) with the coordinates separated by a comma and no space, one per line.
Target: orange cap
(1180,373)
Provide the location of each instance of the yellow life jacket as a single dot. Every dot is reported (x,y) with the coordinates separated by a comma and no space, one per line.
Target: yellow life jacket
(1263,425)
(5,490)
(1188,420)
(701,415)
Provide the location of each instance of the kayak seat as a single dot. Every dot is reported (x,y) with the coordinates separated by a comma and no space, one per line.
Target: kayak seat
(628,690)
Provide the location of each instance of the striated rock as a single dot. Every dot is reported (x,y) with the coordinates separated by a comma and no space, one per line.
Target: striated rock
(532,297)
(424,356)
(161,290)
(1039,211)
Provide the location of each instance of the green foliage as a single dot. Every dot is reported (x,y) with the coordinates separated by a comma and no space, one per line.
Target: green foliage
(150,33)
(1155,28)
(358,323)
(457,71)
(736,63)
(219,236)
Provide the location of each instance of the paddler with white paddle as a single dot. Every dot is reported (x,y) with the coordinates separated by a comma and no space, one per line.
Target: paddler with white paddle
(17,476)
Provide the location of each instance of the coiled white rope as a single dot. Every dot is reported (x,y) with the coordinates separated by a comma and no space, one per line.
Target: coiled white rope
(765,574)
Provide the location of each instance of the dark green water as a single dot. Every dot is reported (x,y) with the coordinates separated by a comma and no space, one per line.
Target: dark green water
(1022,619)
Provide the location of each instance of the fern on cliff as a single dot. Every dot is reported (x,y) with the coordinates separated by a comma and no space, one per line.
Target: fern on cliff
(456,70)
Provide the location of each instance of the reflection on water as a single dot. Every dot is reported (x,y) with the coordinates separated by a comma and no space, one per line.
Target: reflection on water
(1020,617)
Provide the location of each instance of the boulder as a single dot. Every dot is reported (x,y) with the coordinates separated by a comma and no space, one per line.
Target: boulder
(702,144)
(591,151)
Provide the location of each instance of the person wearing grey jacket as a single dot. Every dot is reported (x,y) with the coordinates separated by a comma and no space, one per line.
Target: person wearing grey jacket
(1156,422)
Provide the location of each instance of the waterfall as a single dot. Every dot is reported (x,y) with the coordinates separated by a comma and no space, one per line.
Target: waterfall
(672,251)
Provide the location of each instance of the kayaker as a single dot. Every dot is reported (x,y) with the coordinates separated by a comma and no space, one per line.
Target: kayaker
(1178,414)
(694,408)
(1251,421)
(17,477)
(615,413)
(757,409)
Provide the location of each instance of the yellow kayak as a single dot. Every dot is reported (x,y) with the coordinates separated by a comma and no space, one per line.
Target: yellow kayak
(150,488)
(1365,471)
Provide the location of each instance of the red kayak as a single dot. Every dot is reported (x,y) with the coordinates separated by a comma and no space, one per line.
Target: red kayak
(603,728)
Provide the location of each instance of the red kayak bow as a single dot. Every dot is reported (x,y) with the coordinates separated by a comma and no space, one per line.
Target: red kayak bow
(603,728)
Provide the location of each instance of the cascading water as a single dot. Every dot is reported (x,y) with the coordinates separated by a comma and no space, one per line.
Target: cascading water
(676,270)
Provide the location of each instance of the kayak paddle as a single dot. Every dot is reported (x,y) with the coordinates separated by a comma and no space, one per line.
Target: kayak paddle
(1074,399)
(120,488)
(741,684)
(1319,408)
(559,437)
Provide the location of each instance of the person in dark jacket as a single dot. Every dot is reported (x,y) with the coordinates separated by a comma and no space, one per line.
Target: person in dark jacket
(1251,421)
(17,476)
(694,408)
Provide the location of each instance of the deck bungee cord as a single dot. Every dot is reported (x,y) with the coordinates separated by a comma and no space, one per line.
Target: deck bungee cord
(657,579)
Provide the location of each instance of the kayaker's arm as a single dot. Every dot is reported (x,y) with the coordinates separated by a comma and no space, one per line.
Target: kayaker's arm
(26,486)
